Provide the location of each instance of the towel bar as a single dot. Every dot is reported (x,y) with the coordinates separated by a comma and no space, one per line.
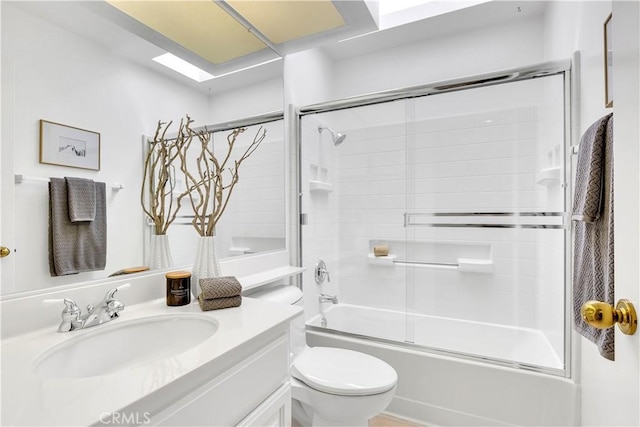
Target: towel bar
(20,178)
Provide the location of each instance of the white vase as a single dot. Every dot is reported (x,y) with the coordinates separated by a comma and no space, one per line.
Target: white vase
(206,263)
(160,253)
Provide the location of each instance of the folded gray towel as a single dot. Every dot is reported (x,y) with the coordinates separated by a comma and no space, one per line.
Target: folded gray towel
(220,287)
(218,303)
(81,195)
(593,255)
(75,247)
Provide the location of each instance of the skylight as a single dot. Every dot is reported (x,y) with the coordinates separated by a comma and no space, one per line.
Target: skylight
(386,7)
(183,67)
(393,13)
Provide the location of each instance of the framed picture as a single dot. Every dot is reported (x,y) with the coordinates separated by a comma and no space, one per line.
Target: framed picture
(608,64)
(69,146)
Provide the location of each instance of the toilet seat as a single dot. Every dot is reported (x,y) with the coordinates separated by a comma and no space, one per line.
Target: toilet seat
(343,372)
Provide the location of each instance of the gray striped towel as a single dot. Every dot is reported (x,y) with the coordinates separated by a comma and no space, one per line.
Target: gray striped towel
(81,195)
(593,255)
(220,287)
(75,247)
(219,303)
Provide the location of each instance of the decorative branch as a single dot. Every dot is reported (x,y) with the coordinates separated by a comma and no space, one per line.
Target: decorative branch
(210,187)
(209,182)
(159,180)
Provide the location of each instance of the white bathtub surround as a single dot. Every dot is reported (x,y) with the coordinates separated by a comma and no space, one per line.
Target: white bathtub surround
(489,341)
(250,340)
(503,344)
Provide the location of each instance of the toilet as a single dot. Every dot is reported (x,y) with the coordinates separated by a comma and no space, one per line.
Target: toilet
(331,386)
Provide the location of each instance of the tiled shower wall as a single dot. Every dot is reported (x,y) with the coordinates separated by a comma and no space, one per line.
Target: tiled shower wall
(442,155)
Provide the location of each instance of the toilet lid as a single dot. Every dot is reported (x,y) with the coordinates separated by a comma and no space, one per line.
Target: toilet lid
(343,372)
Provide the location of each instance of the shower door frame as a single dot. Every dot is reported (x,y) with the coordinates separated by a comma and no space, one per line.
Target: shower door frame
(545,69)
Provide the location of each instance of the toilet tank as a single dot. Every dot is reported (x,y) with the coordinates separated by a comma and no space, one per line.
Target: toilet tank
(289,295)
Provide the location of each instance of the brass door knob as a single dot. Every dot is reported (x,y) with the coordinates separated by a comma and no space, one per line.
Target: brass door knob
(602,315)
(4,251)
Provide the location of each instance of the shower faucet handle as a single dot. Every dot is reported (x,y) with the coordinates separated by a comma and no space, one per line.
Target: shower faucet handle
(321,272)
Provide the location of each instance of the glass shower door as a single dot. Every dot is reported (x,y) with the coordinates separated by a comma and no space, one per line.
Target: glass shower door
(442,219)
(354,197)
(485,222)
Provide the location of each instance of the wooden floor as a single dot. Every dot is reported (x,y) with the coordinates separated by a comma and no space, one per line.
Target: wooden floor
(389,421)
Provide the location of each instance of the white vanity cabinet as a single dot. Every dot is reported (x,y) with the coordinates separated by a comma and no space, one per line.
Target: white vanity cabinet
(253,391)
(273,412)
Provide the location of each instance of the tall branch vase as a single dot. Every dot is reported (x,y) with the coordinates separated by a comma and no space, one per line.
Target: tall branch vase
(160,253)
(206,264)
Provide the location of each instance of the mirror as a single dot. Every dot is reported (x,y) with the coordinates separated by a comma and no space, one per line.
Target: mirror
(64,63)
(254,220)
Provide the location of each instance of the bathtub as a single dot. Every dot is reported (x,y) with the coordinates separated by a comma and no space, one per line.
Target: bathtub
(454,372)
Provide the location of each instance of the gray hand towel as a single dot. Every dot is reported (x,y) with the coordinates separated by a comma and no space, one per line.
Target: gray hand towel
(218,303)
(593,254)
(75,247)
(81,195)
(220,287)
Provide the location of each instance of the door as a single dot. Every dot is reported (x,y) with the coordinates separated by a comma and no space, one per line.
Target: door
(610,390)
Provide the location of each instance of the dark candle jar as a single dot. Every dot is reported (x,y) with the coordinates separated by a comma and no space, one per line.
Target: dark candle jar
(178,288)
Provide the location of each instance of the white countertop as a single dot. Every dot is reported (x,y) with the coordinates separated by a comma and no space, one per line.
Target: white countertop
(28,399)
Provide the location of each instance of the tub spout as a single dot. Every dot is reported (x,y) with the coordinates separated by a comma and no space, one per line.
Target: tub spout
(328,298)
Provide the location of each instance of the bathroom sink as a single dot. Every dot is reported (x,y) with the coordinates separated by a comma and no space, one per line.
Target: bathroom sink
(120,345)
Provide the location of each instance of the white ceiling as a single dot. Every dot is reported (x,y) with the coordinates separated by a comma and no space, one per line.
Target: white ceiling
(86,20)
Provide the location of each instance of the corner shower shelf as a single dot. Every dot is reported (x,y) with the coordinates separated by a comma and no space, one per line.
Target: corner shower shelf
(320,187)
(269,276)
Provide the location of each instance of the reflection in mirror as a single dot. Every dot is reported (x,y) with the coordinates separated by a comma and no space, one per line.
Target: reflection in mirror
(254,219)
(64,63)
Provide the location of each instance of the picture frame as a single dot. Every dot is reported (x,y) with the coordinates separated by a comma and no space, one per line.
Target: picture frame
(608,63)
(69,146)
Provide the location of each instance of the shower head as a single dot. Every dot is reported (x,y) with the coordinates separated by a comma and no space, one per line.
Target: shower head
(337,137)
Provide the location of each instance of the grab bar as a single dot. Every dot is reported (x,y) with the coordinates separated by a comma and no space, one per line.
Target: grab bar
(541,220)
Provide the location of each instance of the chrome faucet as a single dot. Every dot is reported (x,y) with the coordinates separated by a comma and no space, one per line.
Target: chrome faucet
(333,299)
(105,311)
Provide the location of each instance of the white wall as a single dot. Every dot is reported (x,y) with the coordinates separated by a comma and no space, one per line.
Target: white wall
(308,78)
(245,101)
(466,53)
(52,74)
